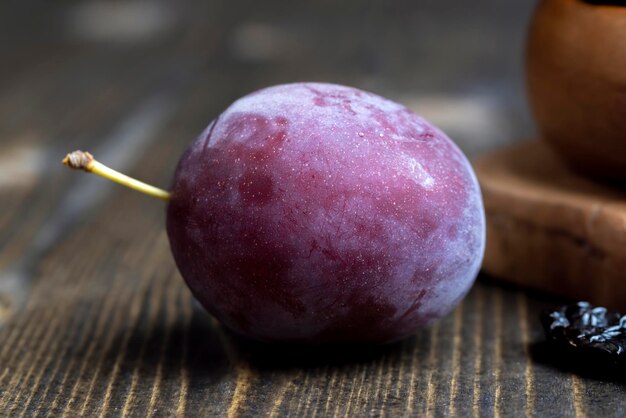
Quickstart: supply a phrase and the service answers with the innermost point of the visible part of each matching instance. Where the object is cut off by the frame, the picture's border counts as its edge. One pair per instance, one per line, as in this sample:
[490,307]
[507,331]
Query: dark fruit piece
[589,333]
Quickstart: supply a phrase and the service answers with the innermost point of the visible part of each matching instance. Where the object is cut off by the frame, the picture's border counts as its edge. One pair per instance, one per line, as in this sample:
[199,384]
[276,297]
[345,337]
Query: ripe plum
[320,213]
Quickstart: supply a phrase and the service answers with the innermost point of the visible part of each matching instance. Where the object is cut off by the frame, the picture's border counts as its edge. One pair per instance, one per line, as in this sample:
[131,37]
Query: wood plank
[118,334]
[551,228]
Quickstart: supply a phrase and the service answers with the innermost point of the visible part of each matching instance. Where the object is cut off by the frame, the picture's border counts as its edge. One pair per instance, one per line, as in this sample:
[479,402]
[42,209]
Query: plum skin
[319,213]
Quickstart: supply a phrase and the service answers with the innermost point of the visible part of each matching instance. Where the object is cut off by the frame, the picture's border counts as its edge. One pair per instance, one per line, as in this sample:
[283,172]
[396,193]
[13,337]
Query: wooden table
[94,318]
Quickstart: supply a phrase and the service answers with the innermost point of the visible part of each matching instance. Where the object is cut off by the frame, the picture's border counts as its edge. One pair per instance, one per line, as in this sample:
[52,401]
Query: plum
[320,213]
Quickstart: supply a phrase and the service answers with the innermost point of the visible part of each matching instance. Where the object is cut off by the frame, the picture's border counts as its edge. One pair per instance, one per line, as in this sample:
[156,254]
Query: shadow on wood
[567,362]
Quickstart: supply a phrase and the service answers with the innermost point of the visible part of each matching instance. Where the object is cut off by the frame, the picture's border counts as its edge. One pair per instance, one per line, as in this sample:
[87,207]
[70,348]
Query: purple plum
[320,213]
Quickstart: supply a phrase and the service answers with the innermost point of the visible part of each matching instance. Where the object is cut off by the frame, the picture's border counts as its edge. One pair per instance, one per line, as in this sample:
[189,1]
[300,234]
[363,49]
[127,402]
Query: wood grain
[552,229]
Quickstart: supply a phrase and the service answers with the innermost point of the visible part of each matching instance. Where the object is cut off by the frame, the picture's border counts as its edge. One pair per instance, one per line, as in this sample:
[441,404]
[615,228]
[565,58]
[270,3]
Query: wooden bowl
[576,73]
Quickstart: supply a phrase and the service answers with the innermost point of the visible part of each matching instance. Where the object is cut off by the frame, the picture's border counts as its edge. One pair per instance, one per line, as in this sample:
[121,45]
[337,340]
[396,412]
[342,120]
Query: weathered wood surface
[94,318]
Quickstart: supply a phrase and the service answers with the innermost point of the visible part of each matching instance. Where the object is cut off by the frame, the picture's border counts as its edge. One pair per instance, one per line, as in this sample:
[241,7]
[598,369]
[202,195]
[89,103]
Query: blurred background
[75,72]
[136,81]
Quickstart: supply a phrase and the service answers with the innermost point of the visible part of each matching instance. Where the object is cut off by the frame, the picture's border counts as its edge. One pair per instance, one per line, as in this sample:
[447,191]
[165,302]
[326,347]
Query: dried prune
[589,333]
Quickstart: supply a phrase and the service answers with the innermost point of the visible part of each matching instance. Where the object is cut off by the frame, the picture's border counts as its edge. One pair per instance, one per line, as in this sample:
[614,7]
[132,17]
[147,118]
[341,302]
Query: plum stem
[81,160]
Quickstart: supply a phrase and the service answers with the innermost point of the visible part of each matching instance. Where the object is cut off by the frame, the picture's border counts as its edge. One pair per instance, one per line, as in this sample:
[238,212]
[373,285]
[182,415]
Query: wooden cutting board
[550,228]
